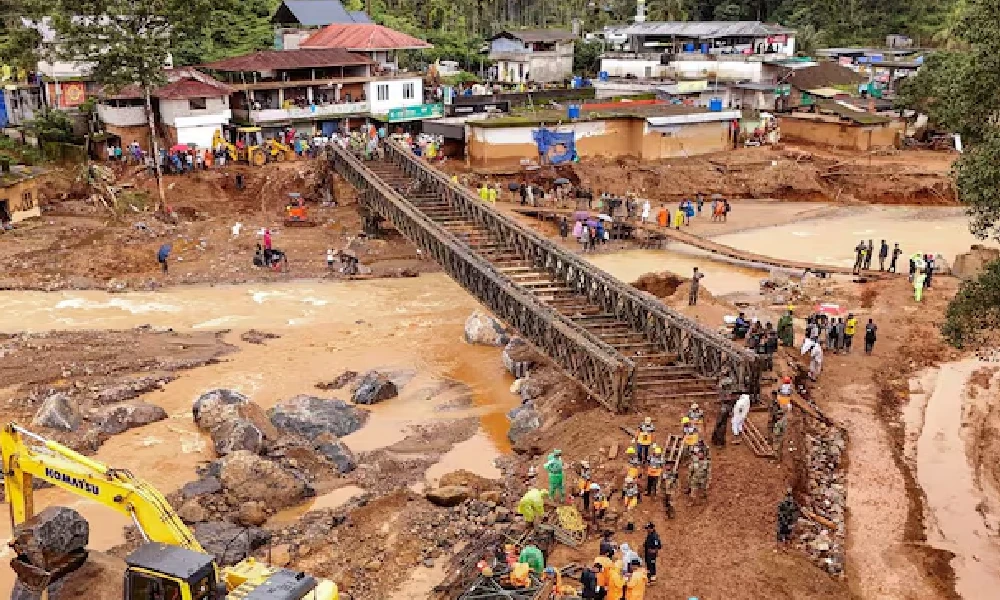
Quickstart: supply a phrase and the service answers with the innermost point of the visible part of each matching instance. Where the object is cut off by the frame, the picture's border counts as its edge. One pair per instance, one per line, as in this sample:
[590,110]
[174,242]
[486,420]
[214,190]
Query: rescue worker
[583,485]
[635,586]
[788,516]
[722,422]
[778,434]
[696,415]
[601,503]
[698,472]
[558,590]
[690,434]
[602,571]
[654,471]
[633,465]
[651,549]
[608,546]
[644,438]
[616,582]
[669,483]
[532,505]
[630,492]
[785,393]
[786,332]
[592,590]
[740,411]
[520,575]
[533,557]
[554,467]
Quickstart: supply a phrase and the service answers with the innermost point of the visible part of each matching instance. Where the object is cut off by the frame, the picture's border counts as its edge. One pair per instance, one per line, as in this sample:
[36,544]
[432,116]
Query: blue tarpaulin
[549,141]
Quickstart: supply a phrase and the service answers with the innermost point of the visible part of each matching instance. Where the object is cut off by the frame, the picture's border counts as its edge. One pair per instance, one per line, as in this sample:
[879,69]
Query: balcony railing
[122,116]
[524,55]
[268,115]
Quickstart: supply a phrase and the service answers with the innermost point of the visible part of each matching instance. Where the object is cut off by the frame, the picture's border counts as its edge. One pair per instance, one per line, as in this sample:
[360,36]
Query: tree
[973,316]
[586,57]
[128,43]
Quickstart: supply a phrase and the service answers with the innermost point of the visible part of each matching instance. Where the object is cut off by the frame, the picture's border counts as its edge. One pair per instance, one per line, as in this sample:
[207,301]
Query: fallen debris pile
[822,530]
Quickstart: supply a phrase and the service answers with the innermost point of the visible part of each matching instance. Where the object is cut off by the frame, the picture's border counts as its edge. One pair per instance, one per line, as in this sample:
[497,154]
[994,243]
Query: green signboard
[412,113]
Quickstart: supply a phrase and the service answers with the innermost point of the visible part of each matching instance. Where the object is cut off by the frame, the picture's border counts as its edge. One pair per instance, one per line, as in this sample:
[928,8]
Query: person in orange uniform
[785,393]
[690,433]
[662,217]
[616,582]
[633,463]
[635,587]
[600,503]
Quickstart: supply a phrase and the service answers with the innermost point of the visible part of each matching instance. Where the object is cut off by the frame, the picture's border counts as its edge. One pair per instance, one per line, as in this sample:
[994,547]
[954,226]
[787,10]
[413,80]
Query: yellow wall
[22,199]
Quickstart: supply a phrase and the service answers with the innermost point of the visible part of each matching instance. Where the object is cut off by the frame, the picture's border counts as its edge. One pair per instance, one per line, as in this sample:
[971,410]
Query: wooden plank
[613,452]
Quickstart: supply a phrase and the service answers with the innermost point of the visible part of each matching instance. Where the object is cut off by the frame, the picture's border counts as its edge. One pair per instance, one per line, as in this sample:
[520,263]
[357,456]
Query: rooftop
[844,113]
[305,58]
[316,13]
[821,75]
[19,173]
[536,35]
[705,30]
[364,38]
[597,111]
[182,83]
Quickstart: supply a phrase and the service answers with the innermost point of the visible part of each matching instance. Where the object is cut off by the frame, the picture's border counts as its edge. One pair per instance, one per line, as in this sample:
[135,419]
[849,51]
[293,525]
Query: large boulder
[518,357]
[210,410]
[523,421]
[112,420]
[248,477]
[58,411]
[99,578]
[374,387]
[971,264]
[449,495]
[50,535]
[482,329]
[228,542]
[336,452]
[239,434]
[310,417]
[208,484]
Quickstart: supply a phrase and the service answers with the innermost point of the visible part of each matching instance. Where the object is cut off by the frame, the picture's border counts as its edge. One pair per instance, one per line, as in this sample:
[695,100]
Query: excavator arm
[27,456]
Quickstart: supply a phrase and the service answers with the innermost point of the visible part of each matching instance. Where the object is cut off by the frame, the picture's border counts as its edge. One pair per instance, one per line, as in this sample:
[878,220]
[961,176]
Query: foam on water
[133,306]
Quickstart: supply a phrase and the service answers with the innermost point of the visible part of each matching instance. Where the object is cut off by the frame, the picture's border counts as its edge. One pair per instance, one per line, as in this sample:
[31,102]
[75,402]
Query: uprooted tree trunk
[161,201]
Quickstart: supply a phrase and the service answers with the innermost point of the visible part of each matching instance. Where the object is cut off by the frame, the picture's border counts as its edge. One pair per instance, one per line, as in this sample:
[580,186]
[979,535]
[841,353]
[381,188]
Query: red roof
[363,37]
[269,60]
[181,83]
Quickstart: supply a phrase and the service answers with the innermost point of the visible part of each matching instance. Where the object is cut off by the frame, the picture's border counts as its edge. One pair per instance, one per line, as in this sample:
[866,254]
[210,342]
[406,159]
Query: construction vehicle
[171,564]
[296,212]
[278,152]
[249,147]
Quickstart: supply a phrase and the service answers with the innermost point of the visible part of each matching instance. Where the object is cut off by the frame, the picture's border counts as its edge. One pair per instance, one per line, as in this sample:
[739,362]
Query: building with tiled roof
[379,43]
[187,109]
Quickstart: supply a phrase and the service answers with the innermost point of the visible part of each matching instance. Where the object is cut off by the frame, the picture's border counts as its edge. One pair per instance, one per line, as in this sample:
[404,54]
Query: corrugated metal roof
[270,60]
[536,35]
[703,29]
[363,37]
[314,13]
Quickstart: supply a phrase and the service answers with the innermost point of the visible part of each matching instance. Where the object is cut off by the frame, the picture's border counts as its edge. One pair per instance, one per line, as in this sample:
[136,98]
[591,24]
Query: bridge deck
[625,348]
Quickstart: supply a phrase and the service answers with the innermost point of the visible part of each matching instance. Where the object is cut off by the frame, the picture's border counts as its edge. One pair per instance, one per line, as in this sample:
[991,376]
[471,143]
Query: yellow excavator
[251,147]
[171,564]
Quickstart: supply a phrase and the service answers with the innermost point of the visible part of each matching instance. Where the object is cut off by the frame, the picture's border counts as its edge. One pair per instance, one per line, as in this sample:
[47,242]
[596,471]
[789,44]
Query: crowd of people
[864,253]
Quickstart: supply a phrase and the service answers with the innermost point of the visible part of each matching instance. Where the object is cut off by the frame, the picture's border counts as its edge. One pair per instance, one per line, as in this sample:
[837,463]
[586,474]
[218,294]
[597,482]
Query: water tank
[715,105]
[704,48]
[603,75]
[689,47]
[573,111]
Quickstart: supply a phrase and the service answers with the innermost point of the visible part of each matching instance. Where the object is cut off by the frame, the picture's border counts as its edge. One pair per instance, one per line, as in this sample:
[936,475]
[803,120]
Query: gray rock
[526,421]
[374,387]
[482,329]
[51,534]
[531,389]
[206,485]
[337,452]
[449,495]
[310,417]
[208,408]
[240,434]
[228,542]
[113,420]
[58,411]
[341,380]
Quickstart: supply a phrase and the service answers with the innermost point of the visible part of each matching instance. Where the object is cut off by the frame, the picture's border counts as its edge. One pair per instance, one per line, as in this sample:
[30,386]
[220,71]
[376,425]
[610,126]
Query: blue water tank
[573,111]
[603,75]
[704,48]
[715,105]
[689,47]
[577,82]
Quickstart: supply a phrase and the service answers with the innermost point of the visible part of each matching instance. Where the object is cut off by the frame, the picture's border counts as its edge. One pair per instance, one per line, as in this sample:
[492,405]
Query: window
[382,91]
[152,588]
[408,91]
[198,103]
[26,203]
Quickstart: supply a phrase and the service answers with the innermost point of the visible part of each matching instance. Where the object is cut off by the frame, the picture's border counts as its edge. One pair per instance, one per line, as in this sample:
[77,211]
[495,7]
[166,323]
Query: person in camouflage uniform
[788,516]
[778,433]
[699,471]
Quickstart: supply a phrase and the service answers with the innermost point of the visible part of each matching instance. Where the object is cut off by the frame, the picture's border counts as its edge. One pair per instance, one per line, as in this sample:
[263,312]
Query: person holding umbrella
[162,255]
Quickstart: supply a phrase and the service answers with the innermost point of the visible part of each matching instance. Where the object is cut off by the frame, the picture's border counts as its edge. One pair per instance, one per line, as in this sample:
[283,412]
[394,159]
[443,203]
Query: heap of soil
[661,285]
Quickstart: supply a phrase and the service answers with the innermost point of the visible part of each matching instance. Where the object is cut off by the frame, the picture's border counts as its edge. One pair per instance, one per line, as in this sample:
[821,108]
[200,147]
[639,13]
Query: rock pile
[823,539]
[58,411]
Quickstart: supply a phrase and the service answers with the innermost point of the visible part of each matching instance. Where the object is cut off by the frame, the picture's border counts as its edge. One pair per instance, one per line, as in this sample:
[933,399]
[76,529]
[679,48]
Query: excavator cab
[162,572]
[250,146]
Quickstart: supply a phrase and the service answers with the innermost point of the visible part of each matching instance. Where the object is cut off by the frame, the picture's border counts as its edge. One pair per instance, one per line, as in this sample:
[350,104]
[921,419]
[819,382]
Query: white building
[533,55]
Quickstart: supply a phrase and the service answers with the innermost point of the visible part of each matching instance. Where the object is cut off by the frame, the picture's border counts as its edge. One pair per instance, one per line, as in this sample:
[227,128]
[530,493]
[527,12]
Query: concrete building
[643,131]
[829,123]
[533,55]
[19,193]
[188,109]
[313,89]
[296,20]
[723,50]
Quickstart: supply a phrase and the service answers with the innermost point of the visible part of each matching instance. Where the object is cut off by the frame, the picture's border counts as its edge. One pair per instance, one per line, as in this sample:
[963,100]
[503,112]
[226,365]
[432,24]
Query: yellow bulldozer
[171,564]
[251,148]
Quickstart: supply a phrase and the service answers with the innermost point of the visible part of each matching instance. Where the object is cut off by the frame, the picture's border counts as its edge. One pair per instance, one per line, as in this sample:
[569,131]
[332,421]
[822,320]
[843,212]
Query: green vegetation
[959,89]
